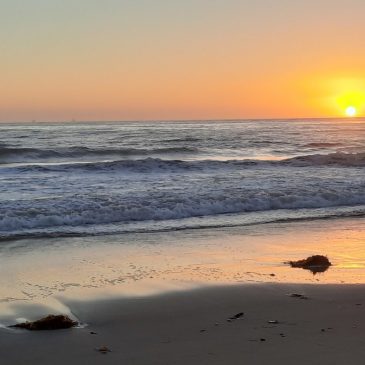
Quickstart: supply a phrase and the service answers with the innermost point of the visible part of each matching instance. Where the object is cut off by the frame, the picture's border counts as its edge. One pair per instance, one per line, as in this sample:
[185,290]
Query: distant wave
[183,139]
[21,154]
[151,165]
[336,158]
[323,144]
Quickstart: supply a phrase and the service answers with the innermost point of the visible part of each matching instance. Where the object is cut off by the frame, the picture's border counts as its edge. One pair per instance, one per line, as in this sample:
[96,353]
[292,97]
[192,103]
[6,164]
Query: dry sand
[191,327]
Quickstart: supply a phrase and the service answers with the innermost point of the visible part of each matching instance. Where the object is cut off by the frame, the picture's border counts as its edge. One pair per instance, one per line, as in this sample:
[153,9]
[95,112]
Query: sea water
[78,179]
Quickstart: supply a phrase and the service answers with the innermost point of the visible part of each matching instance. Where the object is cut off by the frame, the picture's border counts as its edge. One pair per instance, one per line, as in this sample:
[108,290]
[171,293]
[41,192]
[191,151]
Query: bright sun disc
[350,111]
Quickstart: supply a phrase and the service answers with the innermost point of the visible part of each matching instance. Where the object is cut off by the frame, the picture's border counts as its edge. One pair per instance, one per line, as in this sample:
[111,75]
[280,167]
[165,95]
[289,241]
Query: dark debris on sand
[236,316]
[103,350]
[315,263]
[51,322]
[299,296]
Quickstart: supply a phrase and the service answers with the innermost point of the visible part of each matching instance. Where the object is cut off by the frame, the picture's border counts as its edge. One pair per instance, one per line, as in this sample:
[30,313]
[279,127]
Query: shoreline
[192,327]
[37,273]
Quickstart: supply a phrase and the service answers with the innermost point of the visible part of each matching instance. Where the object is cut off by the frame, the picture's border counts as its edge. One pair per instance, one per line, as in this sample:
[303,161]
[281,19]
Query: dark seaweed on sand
[51,322]
[315,263]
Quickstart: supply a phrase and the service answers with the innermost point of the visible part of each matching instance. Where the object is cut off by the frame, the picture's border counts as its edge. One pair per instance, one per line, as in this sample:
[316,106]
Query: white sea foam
[80,210]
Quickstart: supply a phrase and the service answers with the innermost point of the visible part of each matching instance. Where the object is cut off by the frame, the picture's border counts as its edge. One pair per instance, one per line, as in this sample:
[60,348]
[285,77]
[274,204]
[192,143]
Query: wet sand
[165,298]
[192,327]
[40,271]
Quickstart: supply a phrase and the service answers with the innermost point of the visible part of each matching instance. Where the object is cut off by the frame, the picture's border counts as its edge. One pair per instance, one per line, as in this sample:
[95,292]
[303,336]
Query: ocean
[81,179]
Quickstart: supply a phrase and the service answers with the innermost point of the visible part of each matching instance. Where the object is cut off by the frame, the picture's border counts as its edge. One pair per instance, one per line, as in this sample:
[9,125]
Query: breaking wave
[218,221]
[87,209]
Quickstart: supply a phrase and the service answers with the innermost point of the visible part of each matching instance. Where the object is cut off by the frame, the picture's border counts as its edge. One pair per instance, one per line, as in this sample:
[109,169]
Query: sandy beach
[173,305]
[193,327]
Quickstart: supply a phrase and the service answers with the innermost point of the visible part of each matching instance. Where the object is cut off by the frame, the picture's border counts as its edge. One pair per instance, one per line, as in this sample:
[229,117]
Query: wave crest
[336,158]
[21,154]
[152,165]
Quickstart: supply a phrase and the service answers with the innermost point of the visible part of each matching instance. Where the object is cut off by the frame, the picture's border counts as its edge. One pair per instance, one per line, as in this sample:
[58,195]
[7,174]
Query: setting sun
[345,95]
[350,111]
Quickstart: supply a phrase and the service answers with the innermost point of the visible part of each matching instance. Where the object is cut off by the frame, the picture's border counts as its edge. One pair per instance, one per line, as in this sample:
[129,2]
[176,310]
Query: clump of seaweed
[315,263]
[51,322]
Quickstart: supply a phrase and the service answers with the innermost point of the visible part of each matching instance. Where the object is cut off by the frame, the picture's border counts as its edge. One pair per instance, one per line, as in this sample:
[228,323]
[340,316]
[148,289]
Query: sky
[192,59]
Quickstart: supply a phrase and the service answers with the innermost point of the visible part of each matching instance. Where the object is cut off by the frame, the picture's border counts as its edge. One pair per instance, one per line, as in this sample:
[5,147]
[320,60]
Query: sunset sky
[191,59]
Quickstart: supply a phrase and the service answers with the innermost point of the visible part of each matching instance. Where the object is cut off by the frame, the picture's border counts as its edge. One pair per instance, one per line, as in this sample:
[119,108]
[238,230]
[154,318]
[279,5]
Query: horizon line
[179,120]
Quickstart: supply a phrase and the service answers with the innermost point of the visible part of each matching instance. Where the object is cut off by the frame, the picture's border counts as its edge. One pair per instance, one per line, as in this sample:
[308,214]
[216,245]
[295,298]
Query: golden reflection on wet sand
[36,272]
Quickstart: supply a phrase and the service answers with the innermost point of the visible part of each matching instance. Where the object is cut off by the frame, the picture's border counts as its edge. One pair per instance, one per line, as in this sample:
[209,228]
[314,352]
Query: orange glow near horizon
[199,97]
[334,96]
[350,96]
